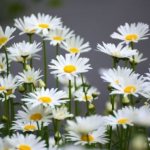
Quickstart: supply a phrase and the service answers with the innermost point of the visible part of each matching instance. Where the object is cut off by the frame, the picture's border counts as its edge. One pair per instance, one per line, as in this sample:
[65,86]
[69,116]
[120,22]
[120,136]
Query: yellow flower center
[130,89]
[45,99]
[30,31]
[69,68]
[74,50]
[87,138]
[123,121]
[29,127]
[43,25]
[2,88]
[58,38]
[30,78]
[36,117]
[24,147]
[131,37]
[87,97]
[3,40]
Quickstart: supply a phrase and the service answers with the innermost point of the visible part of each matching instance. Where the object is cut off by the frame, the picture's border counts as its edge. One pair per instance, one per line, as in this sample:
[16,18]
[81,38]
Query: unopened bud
[41,83]
[21,89]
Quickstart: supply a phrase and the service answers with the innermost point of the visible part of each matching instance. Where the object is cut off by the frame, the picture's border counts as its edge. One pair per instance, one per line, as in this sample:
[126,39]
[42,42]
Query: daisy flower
[75,45]
[3,65]
[24,50]
[117,51]
[132,32]
[36,114]
[57,36]
[24,25]
[132,84]
[6,35]
[29,76]
[121,117]
[61,113]
[42,23]
[27,142]
[137,58]
[70,65]
[46,97]
[4,145]
[91,94]
[25,126]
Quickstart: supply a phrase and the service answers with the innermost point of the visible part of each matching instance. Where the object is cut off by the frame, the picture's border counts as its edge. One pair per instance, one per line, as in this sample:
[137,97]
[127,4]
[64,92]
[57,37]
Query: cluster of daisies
[37,117]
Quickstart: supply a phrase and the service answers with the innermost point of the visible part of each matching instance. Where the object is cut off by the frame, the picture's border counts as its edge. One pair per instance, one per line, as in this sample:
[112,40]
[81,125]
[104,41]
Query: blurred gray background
[94,20]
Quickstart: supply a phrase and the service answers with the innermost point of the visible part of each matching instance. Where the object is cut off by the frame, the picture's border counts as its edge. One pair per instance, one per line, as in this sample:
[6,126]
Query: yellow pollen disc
[36,117]
[43,25]
[123,121]
[24,147]
[58,38]
[87,97]
[30,79]
[3,40]
[74,50]
[45,99]
[130,89]
[87,138]
[2,88]
[131,37]
[69,68]
[29,127]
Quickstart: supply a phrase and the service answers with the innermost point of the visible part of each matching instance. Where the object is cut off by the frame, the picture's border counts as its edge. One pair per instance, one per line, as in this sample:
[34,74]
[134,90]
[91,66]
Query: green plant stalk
[70,95]
[30,40]
[7,60]
[7,113]
[57,53]
[56,130]
[76,102]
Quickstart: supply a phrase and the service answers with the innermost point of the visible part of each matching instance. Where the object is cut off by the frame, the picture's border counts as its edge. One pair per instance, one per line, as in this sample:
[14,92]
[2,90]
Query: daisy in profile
[57,36]
[29,76]
[76,45]
[24,50]
[121,117]
[117,51]
[137,58]
[37,114]
[24,25]
[6,35]
[92,93]
[82,131]
[42,23]
[46,97]
[131,85]
[3,65]
[132,32]
[61,113]
[69,66]
[27,142]
[25,126]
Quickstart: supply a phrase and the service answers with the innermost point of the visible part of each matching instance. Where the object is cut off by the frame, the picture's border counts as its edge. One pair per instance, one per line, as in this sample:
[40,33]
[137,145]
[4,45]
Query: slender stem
[12,109]
[7,113]
[30,40]
[56,130]
[57,53]
[133,65]
[45,62]
[76,102]
[70,95]
[7,60]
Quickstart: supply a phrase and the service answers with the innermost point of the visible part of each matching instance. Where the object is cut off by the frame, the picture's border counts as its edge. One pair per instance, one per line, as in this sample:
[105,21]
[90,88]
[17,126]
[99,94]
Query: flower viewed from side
[6,35]
[75,45]
[132,32]
[118,51]
[46,97]
[27,142]
[57,36]
[70,65]
[24,50]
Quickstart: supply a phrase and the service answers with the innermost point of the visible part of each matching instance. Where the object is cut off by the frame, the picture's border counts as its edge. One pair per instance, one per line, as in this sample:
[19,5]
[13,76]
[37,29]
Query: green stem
[7,60]
[70,95]
[30,40]
[7,113]
[57,53]
[76,102]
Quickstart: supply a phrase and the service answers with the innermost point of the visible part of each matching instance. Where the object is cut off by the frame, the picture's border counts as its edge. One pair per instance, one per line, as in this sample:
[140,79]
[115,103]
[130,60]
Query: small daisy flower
[24,50]
[3,65]
[24,25]
[29,76]
[137,58]
[132,32]
[6,35]
[27,142]
[61,113]
[42,23]
[92,93]
[75,45]
[46,97]
[117,51]
[25,126]
[57,36]
[70,65]
[121,117]
[37,114]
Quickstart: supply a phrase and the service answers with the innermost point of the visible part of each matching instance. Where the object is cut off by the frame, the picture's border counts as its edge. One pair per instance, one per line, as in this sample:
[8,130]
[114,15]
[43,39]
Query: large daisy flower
[117,51]
[132,32]
[75,45]
[70,65]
